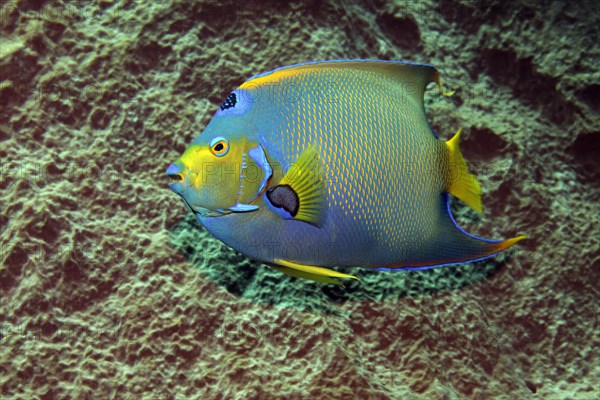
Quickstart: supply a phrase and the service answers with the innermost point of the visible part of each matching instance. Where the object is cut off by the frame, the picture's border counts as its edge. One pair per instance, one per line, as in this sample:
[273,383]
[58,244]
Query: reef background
[109,289]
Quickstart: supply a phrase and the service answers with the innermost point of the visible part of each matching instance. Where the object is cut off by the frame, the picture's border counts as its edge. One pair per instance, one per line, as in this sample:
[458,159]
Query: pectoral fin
[317,274]
[301,192]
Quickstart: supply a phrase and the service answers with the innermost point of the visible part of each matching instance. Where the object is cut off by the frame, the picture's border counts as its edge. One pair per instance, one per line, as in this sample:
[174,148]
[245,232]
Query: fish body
[332,164]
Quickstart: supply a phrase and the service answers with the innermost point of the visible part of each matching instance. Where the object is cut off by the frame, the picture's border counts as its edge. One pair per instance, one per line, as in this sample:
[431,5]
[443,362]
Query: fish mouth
[180,185]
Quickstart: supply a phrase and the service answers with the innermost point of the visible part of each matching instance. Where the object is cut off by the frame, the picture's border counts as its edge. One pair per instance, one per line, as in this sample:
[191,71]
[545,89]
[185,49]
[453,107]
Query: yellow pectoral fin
[317,274]
[301,191]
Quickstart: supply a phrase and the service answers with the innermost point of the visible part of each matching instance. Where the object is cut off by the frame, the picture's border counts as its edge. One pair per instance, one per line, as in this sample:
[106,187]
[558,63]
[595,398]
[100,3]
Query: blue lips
[174,172]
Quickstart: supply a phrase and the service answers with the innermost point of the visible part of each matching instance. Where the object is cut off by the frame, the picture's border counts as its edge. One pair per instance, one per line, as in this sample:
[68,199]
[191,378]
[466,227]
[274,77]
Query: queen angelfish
[332,163]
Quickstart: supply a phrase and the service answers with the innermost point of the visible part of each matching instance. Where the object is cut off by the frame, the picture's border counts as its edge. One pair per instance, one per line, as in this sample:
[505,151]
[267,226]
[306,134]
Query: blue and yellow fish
[332,163]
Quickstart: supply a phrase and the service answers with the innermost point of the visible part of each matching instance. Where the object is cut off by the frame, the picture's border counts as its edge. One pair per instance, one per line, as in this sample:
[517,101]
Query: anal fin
[505,244]
[453,245]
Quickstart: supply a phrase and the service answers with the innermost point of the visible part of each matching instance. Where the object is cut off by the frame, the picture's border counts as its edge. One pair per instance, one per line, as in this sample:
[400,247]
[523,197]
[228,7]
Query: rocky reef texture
[108,289]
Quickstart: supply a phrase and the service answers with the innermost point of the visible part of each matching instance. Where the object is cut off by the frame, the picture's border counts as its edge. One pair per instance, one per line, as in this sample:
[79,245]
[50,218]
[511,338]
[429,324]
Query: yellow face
[213,178]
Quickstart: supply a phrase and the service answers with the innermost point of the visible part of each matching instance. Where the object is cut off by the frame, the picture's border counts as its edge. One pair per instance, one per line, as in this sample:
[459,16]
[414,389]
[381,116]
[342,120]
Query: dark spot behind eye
[283,196]
[229,102]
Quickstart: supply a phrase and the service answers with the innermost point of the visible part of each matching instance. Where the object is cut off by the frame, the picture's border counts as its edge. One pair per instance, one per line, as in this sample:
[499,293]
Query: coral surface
[110,289]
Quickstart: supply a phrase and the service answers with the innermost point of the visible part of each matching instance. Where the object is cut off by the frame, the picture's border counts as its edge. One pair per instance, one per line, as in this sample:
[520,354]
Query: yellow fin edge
[304,177]
[505,244]
[310,272]
[438,81]
[461,183]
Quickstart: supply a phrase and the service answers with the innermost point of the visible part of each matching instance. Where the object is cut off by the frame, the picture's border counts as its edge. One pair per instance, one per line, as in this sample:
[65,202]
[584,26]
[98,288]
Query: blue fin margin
[461,230]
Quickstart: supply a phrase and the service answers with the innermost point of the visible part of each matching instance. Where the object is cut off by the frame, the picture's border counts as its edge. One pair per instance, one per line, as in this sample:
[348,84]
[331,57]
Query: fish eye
[219,146]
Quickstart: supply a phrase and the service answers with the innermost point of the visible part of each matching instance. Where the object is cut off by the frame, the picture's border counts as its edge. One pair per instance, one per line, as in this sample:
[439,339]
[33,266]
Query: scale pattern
[384,168]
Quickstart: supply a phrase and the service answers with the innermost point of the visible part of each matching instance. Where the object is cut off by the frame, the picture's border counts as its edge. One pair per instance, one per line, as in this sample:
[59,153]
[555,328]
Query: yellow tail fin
[461,183]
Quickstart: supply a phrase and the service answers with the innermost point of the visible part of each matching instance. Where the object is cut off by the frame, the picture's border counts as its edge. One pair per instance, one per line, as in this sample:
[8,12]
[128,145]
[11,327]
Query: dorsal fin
[414,76]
